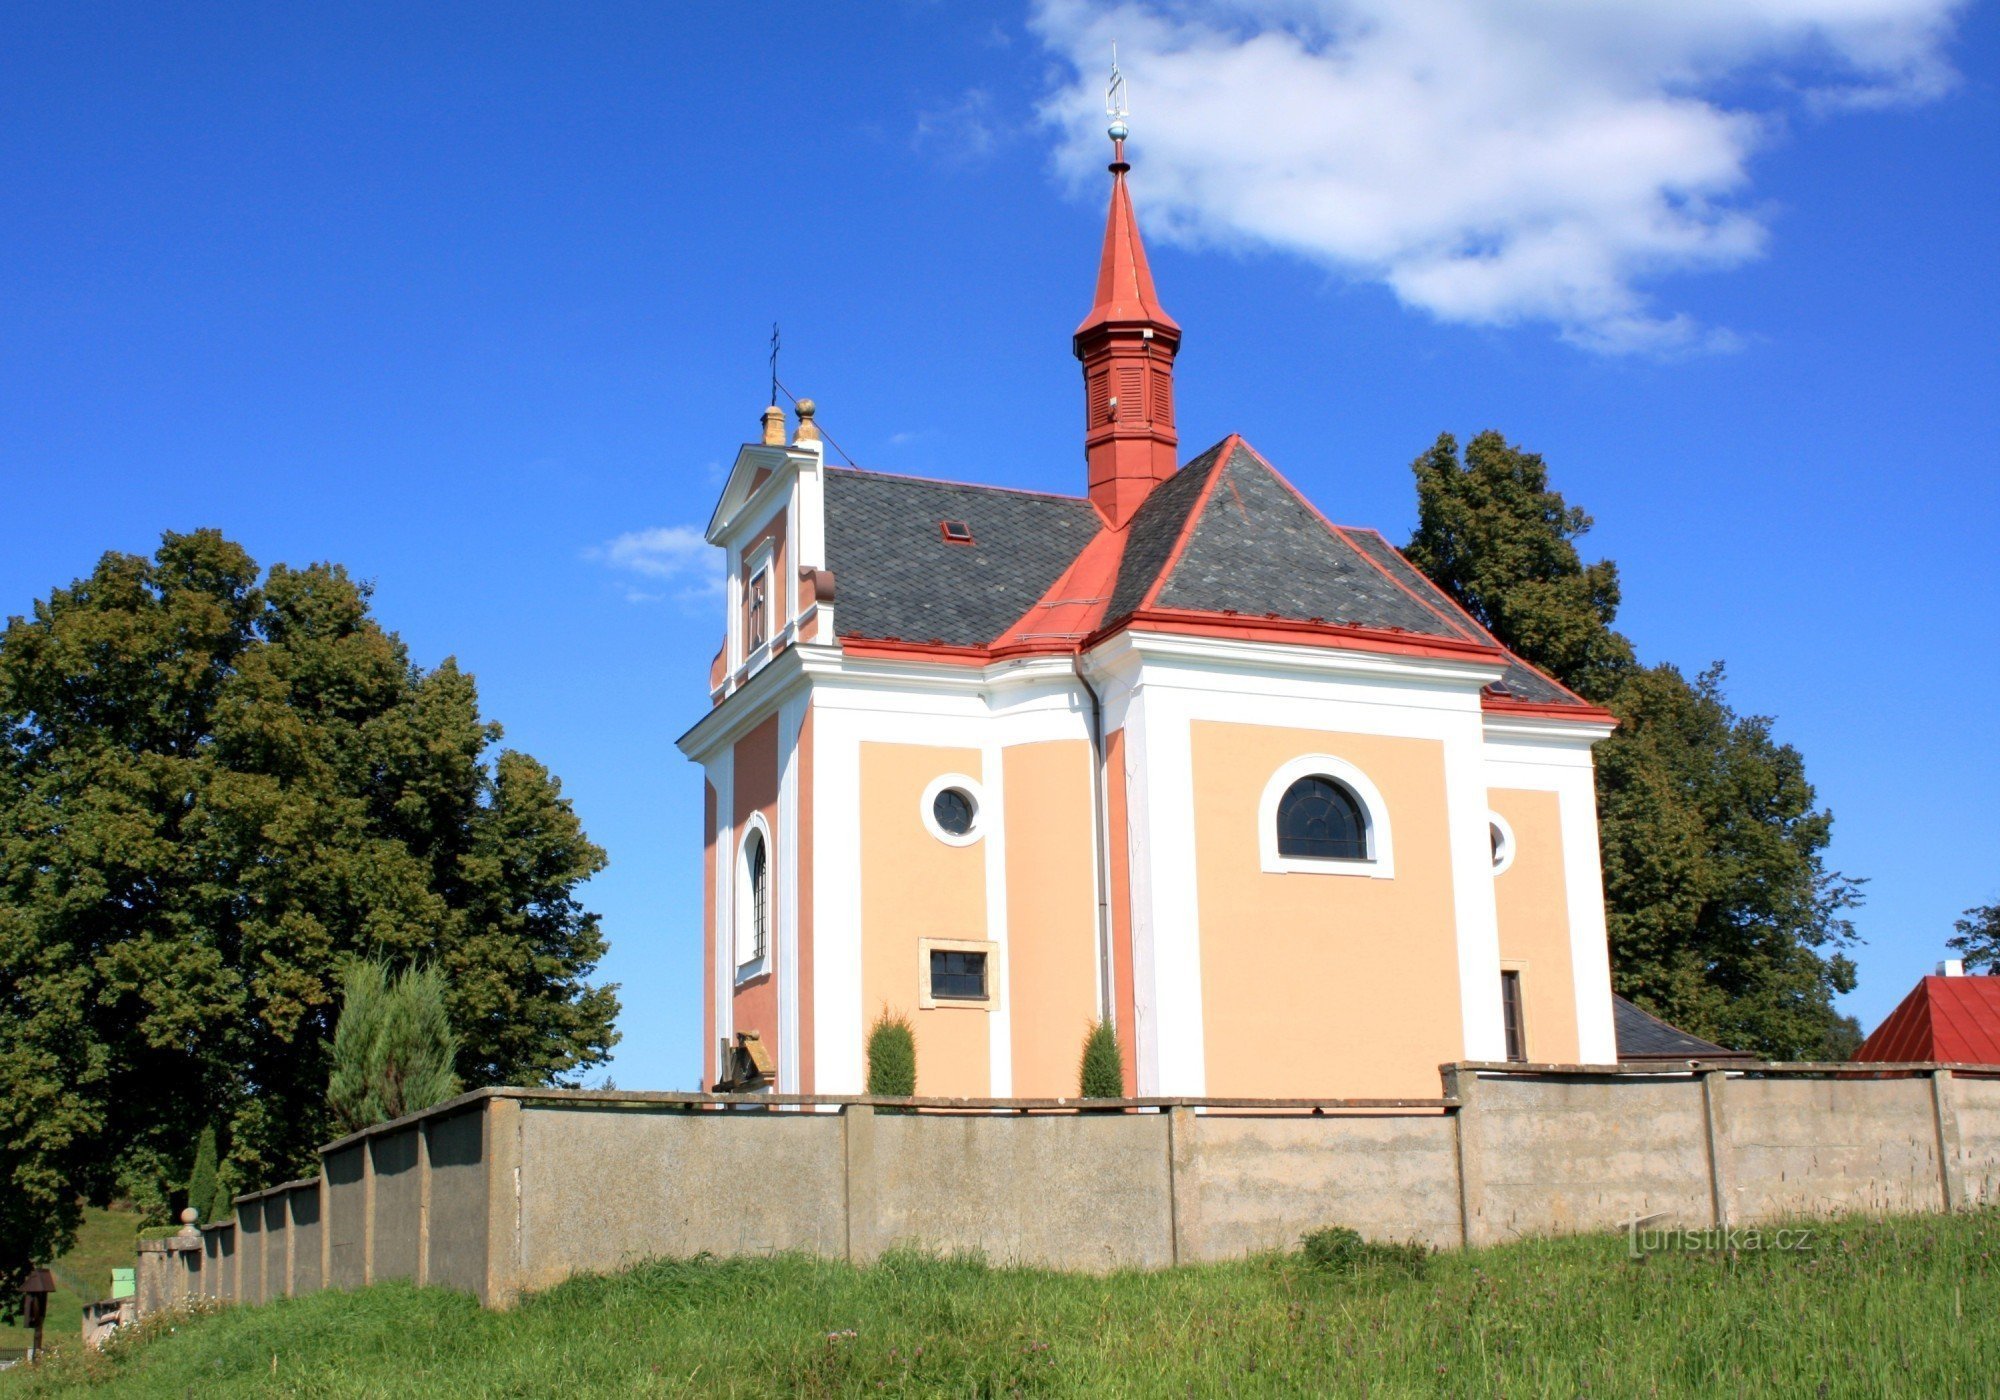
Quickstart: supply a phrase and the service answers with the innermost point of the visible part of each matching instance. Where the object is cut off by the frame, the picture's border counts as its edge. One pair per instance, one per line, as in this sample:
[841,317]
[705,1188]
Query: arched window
[1319,819]
[753,901]
[1321,815]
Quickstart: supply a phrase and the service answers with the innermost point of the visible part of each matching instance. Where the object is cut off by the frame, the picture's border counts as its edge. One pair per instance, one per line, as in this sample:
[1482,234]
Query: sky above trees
[475,300]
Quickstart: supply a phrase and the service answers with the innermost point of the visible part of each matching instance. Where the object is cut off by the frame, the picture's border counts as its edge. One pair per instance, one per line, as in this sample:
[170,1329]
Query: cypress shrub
[1102,1072]
[393,1047]
[202,1184]
[892,1056]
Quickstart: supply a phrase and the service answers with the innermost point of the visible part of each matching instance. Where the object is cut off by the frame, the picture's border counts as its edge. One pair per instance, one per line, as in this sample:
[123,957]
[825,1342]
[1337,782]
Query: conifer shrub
[1102,1070]
[892,1056]
[203,1185]
[393,1047]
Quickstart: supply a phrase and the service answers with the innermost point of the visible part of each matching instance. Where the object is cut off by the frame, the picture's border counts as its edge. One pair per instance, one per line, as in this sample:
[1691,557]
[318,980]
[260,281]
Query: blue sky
[462,296]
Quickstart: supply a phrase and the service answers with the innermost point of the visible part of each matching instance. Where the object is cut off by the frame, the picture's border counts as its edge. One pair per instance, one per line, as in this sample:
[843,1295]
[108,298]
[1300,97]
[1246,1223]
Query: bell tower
[1127,345]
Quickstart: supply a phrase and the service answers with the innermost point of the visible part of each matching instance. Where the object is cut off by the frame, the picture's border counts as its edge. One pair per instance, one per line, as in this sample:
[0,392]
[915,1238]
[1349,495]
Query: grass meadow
[1906,1306]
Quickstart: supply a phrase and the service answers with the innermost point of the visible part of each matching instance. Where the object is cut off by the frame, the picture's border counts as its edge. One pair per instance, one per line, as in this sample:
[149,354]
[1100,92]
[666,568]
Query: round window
[1501,836]
[952,810]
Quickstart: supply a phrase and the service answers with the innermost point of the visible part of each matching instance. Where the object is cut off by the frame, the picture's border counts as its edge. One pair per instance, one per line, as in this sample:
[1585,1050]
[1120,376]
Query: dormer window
[956,531]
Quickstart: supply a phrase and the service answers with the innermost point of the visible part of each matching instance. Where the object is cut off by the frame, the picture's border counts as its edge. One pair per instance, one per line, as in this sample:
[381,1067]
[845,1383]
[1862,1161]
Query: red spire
[1127,344]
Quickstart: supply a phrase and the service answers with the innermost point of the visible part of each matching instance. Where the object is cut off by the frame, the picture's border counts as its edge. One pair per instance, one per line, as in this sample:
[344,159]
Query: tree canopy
[1723,915]
[1978,940]
[215,790]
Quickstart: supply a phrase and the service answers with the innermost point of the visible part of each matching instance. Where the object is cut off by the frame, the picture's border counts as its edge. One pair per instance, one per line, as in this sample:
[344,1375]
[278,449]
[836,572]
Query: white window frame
[759,561]
[1380,862]
[750,962]
[1503,862]
[971,789]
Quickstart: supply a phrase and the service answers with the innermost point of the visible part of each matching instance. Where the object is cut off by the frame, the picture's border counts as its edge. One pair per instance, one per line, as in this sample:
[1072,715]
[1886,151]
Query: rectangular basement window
[958,972]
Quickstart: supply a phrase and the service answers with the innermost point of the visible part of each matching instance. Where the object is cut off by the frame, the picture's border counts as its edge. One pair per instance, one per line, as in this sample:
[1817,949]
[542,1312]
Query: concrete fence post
[1944,1113]
[500,1141]
[423,1204]
[1182,1225]
[857,1131]
[1715,1138]
[325,1228]
[1463,1084]
[367,1211]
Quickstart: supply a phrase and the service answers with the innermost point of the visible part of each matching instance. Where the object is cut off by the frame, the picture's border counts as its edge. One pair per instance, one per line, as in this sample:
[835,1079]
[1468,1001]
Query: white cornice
[751,703]
[738,501]
[1117,654]
[1577,733]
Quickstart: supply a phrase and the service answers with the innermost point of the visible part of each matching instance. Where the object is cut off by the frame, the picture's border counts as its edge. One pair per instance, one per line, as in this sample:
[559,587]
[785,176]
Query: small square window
[959,972]
[956,531]
[958,976]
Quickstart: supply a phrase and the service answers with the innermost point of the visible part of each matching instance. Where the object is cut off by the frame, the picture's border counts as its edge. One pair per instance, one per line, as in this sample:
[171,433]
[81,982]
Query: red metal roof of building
[1955,1020]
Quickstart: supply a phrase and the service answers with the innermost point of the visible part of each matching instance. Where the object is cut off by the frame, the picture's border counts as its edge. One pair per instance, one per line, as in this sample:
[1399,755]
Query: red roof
[1954,1020]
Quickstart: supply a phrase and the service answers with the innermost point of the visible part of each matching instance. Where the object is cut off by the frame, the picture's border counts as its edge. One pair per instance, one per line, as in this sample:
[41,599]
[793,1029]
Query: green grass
[107,1239]
[1898,1307]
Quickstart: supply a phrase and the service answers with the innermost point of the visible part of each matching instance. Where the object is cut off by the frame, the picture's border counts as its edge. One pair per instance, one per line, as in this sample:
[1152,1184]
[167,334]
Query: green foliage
[892,1056]
[393,1047]
[1494,536]
[214,790]
[1978,940]
[1723,916]
[202,1184]
[1102,1070]
[1335,1249]
[1524,1319]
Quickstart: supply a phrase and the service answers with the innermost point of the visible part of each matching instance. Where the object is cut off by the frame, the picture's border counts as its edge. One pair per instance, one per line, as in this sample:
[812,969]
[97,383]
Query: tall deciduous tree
[1978,940]
[215,790]
[1724,917]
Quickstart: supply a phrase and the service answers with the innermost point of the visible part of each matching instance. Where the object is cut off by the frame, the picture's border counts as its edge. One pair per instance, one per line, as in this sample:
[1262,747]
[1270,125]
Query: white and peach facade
[1083,815]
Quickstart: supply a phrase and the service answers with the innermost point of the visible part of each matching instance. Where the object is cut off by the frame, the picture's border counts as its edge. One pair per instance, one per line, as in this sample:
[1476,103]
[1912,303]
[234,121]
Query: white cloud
[675,554]
[1491,161]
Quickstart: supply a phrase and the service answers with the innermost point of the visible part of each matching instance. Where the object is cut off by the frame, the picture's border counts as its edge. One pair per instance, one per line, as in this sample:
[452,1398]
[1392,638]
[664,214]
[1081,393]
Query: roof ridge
[963,485]
[1215,469]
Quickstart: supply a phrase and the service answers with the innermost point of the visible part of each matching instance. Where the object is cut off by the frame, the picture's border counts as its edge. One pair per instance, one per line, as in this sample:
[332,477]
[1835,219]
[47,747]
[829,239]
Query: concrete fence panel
[303,1207]
[1069,1191]
[250,1252]
[346,1205]
[1973,1115]
[455,1252]
[277,1247]
[602,1186]
[1802,1146]
[1556,1154]
[1251,1182]
[395,1217]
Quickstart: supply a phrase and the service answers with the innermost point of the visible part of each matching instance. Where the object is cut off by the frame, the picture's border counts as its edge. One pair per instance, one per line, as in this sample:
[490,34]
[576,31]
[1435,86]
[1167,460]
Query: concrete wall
[1245,1182]
[507,1190]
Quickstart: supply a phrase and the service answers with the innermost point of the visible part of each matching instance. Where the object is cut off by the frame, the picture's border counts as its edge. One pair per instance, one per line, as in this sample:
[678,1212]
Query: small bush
[1102,1071]
[1336,1249]
[892,1056]
[202,1181]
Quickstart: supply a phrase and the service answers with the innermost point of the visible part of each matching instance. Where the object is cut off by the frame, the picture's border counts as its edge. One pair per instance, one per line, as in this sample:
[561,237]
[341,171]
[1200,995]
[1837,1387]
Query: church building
[1177,752]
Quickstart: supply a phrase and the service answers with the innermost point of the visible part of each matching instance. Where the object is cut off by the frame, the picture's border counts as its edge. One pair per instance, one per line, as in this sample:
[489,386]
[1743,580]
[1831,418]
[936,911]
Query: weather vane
[1114,97]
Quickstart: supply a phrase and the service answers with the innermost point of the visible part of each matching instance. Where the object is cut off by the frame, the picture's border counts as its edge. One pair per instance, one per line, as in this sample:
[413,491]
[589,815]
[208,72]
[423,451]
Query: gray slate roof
[1255,549]
[1644,1036]
[896,576]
